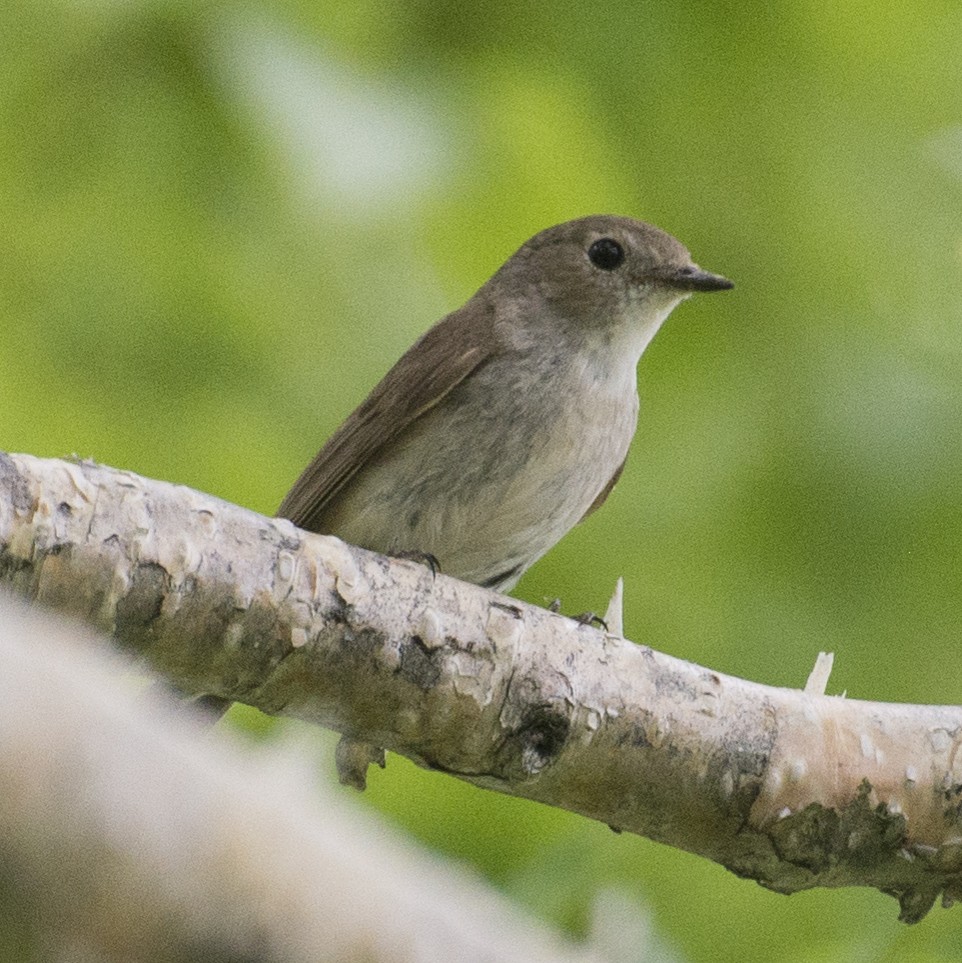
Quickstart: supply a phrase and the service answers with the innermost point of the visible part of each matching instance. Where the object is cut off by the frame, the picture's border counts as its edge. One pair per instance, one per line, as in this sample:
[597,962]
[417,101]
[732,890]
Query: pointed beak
[693,278]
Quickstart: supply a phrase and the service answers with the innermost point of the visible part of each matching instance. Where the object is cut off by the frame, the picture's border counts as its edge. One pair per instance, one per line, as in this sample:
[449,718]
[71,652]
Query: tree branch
[790,788]
[126,834]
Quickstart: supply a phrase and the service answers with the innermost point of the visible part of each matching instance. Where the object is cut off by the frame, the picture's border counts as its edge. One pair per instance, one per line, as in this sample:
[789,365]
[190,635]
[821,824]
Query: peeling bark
[791,788]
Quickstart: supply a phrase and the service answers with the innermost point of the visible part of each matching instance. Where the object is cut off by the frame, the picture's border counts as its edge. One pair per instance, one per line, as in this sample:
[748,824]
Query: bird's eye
[606,254]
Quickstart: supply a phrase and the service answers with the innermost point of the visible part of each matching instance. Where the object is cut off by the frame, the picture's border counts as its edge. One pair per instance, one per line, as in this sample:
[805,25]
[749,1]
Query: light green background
[221,223]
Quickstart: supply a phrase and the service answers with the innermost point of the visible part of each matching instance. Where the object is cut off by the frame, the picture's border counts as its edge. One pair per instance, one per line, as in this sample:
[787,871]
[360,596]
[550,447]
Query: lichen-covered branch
[787,787]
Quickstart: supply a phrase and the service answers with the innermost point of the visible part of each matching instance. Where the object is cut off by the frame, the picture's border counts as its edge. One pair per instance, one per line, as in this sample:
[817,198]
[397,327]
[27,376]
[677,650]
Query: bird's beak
[693,278]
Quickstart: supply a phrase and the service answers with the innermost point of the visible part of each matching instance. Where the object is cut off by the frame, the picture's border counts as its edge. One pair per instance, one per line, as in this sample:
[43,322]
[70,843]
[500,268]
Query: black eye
[606,254]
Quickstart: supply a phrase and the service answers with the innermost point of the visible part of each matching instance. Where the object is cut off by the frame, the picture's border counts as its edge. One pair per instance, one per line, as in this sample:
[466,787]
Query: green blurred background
[222,222]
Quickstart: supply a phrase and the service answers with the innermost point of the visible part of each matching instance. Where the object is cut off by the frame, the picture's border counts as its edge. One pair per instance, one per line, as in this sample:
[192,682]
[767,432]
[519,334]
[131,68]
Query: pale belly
[489,487]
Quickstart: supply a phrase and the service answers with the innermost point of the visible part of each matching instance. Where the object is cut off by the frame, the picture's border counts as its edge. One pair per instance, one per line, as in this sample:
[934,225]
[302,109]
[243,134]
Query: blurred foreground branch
[129,834]
[790,788]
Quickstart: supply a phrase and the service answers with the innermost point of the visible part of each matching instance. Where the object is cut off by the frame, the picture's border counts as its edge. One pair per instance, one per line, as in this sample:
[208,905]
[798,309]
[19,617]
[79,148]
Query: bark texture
[790,788]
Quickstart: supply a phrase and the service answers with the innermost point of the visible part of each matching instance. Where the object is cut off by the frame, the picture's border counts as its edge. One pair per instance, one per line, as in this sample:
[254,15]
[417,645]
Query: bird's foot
[585,618]
[422,558]
[590,618]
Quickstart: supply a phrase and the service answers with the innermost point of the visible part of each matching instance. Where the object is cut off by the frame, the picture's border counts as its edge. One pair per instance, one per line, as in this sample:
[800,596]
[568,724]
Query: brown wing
[605,492]
[435,364]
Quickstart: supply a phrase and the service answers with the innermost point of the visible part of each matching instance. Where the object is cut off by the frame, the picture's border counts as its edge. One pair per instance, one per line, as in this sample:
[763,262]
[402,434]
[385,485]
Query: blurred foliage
[222,222]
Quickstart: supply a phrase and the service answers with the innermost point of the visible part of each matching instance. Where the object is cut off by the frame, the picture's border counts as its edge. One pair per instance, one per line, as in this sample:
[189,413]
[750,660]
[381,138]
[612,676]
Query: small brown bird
[509,421]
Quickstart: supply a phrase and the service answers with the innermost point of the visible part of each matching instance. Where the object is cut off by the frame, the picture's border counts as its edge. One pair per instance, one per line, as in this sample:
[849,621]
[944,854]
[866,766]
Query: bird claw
[585,618]
[590,618]
[422,558]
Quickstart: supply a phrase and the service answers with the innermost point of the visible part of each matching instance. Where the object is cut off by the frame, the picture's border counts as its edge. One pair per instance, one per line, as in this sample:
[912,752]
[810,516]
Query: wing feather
[425,374]
[602,496]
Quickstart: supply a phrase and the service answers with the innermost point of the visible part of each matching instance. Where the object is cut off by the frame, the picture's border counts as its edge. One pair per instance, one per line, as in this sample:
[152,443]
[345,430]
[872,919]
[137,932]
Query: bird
[509,421]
